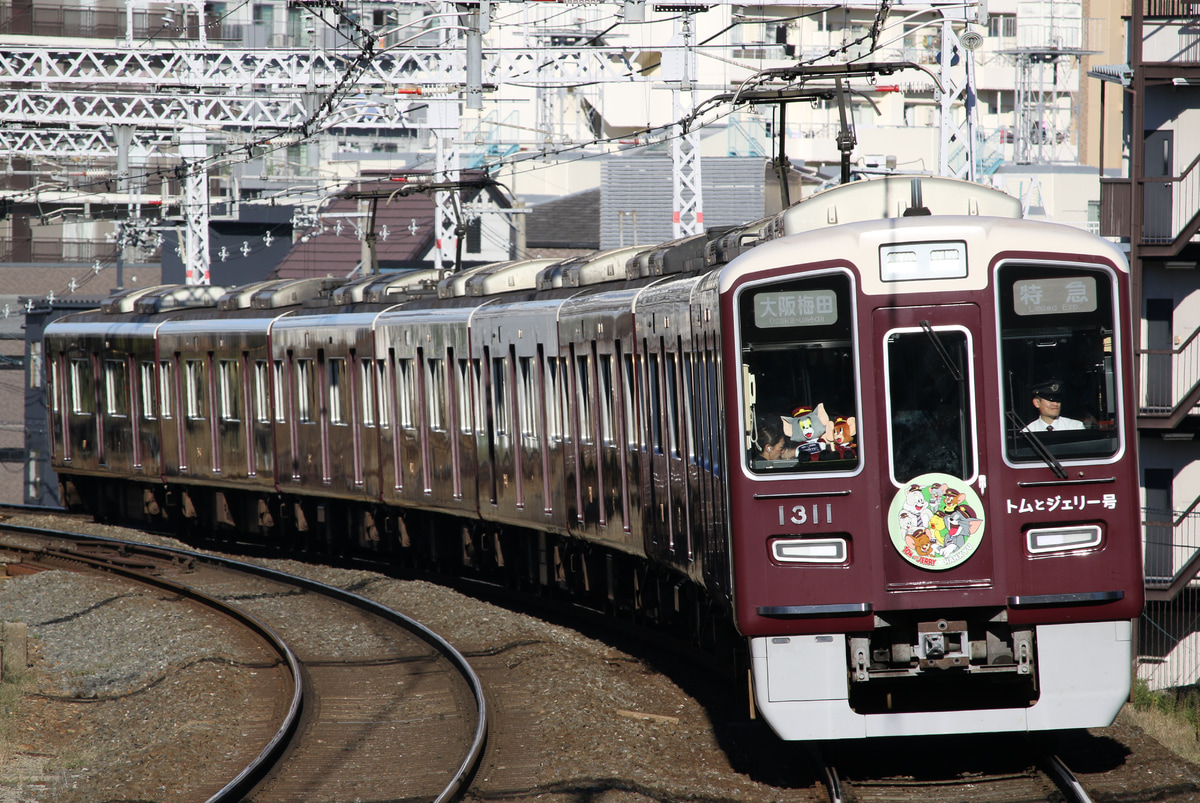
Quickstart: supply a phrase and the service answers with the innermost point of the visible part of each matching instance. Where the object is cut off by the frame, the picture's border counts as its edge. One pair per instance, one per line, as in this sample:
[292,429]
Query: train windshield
[798,389]
[929,403]
[1058,367]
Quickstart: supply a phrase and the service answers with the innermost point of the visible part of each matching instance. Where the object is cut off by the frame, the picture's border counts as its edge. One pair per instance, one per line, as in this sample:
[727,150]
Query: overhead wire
[654,135]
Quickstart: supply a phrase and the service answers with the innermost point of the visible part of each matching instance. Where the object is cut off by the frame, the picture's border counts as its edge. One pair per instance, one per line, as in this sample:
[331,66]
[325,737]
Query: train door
[936,436]
[678,447]
[196,452]
[615,510]
[658,524]
[230,424]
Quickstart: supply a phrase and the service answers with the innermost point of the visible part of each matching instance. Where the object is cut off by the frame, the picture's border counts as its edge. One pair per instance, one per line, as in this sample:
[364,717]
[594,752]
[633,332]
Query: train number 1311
[800,514]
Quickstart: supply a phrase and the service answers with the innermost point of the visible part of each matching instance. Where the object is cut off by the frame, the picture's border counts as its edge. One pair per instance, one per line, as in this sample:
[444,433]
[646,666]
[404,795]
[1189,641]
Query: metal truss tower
[687,198]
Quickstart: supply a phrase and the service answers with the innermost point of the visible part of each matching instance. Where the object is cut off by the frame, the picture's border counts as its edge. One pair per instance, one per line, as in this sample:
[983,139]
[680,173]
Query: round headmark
[936,521]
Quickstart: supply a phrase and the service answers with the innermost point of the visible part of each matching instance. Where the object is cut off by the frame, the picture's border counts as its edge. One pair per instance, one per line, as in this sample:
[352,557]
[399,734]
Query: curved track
[382,707]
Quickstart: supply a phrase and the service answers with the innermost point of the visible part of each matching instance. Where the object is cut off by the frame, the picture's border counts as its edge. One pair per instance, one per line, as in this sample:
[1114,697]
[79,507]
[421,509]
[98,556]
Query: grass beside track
[1171,716]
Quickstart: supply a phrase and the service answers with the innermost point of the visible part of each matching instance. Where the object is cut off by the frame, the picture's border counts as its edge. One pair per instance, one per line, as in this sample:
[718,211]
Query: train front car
[934,523]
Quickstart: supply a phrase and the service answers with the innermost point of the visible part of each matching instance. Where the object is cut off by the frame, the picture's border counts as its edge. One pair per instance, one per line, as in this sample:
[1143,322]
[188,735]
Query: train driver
[1047,399]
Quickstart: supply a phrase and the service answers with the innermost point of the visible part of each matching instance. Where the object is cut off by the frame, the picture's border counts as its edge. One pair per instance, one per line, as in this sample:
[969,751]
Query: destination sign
[1054,296]
[795,308]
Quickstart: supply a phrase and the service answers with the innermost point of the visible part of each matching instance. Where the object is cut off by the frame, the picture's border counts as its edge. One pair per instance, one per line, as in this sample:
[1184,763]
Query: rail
[237,788]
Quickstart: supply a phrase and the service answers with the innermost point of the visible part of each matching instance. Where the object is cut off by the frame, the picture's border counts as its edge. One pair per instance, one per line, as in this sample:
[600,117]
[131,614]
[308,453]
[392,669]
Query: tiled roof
[572,221]
[336,249]
[41,280]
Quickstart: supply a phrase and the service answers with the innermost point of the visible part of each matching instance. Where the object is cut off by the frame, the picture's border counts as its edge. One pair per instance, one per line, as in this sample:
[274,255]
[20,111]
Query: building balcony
[1171,33]
[1170,210]
[1169,386]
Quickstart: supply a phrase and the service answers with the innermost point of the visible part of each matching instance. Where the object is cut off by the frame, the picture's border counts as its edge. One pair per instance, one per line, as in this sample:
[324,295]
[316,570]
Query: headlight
[815,550]
[1061,539]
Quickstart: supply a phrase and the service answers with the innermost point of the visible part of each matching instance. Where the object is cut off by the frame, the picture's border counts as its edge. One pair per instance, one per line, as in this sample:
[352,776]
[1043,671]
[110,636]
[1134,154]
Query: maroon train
[813,431]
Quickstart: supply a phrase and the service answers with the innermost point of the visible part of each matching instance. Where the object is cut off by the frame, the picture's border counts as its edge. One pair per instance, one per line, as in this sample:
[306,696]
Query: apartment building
[1154,207]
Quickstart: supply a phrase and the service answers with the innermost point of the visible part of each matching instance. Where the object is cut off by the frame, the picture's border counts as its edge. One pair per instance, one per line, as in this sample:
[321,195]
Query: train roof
[866,244]
[893,197]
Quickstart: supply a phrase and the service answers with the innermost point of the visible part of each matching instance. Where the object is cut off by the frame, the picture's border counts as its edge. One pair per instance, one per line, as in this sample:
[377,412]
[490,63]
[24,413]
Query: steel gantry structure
[198,106]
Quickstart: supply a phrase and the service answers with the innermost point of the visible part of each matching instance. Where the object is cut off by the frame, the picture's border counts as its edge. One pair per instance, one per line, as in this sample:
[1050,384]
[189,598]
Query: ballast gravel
[125,698]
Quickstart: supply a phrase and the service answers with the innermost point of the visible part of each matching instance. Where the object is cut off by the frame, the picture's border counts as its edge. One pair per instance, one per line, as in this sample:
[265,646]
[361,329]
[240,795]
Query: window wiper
[1038,447]
[951,365]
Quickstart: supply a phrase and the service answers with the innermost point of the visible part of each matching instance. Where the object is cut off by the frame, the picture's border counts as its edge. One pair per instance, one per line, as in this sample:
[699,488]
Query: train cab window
[1058,363]
[116,388]
[798,389]
[930,415]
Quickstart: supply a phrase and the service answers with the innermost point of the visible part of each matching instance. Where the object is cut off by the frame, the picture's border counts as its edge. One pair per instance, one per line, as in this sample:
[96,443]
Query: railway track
[374,705]
[527,743]
[985,770]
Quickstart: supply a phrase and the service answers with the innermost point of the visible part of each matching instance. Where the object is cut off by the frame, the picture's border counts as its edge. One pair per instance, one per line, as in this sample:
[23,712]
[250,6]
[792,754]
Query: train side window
[405,392]
[337,391]
[564,394]
[553,411]
[54,386]
[500,394]
[583,386]
[262,392]
[654,401]
[367,370]
[1058,343]
[227,371]
[463,397]
[149,408]
[194,383]
[672,365]
[304,380]
[628,400]
[607,427]
[166,383]
[436,384]
[279,401]
[385,399]
[798,383]
[527,403]
[116,388]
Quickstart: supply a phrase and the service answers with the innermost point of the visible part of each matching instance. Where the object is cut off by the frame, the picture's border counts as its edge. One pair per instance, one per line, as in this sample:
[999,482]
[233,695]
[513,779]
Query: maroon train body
[815,431]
